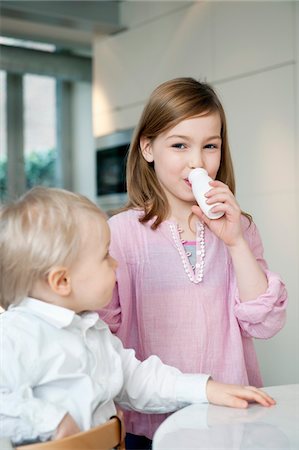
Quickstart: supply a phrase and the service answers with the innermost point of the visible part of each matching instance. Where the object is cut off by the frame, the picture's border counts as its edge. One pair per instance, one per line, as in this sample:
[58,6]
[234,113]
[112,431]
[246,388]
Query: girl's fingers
[215,191]
[217,183]
[222,198]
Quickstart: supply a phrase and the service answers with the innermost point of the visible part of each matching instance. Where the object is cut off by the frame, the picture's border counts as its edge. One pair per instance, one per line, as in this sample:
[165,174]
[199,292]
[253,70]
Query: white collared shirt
[54,362]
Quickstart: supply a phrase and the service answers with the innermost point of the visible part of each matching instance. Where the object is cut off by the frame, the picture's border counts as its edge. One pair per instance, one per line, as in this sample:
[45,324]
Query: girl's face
[194,142]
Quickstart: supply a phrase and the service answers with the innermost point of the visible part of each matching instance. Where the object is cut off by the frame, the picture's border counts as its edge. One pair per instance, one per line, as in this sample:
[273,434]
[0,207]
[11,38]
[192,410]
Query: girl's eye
[211,146]
[180,146]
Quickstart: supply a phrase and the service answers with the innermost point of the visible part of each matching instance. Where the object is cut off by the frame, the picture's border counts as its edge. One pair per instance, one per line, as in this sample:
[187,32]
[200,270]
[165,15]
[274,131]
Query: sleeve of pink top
[265,315]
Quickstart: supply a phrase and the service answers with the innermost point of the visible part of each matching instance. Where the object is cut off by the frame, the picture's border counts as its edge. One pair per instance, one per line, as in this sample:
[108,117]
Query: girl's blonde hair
[38,232]
[169,104]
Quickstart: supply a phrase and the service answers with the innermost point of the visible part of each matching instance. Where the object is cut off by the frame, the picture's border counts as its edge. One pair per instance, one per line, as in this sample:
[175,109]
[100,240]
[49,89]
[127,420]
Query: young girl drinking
[191,290]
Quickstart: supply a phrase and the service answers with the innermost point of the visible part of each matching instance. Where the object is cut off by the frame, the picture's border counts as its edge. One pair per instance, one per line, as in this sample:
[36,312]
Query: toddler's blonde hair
[38,232]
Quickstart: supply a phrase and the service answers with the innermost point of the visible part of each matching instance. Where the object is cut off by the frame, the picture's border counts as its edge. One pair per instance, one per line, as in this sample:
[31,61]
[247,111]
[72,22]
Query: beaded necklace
[194,273]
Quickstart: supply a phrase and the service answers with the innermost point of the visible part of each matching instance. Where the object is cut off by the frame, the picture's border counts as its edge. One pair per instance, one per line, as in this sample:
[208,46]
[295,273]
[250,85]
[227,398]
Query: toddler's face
[93,274]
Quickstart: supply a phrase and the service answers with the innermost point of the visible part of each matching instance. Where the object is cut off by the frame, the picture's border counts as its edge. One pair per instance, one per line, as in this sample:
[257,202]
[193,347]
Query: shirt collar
[55,315]
[61,317]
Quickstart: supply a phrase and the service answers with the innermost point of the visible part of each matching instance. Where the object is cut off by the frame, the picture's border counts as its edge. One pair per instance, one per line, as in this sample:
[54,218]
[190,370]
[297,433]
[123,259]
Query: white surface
[251,36]
[260,114]
[128,66]
[204,426]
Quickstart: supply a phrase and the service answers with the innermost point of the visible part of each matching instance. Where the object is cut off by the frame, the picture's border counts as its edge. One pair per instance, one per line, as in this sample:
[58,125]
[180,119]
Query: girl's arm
[263,316]
[260,295]
[251,279]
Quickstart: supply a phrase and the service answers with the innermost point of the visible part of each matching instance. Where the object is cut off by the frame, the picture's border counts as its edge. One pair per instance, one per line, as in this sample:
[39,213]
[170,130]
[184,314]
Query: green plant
[39,169]
[3,178]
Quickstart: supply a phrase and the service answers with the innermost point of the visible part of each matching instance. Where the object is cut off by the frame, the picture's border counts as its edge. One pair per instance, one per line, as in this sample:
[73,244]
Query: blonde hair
[169,104]
[37,232]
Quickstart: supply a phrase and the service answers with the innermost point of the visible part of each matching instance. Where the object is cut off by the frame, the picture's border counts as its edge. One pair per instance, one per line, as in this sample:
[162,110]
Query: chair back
[108,436]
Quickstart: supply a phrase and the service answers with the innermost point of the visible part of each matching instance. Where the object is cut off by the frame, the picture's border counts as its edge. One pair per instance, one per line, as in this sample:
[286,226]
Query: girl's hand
[228,227]
[67,427]
[236,396]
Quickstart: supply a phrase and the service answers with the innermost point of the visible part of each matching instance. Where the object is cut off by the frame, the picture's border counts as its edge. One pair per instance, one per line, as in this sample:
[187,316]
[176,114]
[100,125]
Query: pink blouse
[197,327]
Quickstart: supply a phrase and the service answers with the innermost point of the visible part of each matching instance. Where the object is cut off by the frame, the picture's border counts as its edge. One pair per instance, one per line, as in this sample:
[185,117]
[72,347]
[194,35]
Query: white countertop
[204,426]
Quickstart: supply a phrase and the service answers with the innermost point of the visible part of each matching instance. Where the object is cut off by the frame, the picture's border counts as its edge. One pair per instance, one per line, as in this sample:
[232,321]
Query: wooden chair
[108,436]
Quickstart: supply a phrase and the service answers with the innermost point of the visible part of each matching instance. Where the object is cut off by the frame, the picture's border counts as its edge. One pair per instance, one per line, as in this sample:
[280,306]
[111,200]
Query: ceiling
[69,25]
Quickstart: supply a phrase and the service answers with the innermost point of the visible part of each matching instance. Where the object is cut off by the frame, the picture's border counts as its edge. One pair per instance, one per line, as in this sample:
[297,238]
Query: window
[39,130]
[36,147]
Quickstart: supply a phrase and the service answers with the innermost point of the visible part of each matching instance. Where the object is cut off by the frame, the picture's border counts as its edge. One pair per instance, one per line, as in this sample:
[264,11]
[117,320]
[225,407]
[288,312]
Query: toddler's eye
[180,146]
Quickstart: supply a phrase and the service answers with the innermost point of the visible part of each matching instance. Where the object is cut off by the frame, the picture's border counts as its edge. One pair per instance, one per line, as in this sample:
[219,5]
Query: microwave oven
[111,155]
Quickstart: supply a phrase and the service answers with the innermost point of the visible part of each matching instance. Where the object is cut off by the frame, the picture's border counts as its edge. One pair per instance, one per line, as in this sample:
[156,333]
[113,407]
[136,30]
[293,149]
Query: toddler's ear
[59,281]
[146,149]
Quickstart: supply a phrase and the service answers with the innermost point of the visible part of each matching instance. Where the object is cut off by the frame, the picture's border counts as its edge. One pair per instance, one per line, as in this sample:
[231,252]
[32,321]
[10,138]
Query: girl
[191,290]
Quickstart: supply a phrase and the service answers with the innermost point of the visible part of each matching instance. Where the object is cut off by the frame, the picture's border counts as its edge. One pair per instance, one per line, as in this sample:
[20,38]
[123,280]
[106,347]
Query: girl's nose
[195,160]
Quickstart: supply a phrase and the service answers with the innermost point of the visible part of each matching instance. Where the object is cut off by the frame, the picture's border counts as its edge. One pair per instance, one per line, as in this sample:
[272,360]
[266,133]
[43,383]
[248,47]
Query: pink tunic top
[196,327]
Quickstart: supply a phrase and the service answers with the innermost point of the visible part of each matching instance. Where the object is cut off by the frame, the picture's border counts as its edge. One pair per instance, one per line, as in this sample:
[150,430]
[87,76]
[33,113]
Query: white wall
[249,52]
